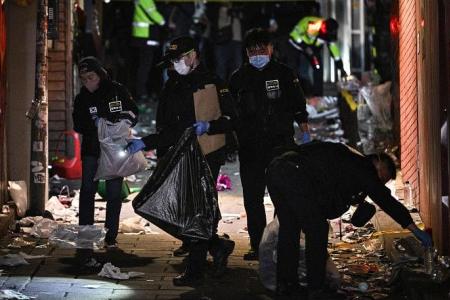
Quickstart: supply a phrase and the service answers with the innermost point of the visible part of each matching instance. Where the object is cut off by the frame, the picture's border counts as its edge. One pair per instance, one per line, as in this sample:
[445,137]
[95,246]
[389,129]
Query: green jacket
[145,15]
[307,31]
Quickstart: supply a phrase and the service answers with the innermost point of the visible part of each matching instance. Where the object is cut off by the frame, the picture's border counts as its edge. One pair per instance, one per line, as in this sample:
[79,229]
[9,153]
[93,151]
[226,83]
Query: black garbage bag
[180,196]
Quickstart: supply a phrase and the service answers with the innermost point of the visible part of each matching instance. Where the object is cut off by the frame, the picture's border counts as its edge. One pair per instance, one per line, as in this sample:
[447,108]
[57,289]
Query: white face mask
[181,67]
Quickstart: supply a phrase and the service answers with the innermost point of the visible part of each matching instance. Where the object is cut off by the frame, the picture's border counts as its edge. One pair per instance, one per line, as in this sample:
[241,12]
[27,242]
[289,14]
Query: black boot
[220,252]
[195,265]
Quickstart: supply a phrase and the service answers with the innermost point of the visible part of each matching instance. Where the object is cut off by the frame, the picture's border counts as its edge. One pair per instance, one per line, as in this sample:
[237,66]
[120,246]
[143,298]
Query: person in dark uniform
[99,97]
[319,181]
[268,101]
[176,112]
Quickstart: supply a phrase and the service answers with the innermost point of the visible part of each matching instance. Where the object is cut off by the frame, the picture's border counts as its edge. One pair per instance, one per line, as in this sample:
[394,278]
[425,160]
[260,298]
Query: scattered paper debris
[111,271]
[92,286]
[11,294]
[12,260]
[19,242]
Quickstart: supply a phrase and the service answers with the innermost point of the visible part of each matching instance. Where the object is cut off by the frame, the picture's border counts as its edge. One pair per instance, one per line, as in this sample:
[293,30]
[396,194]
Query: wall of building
[408,92]
[428,61]
[20,65]
[60,79]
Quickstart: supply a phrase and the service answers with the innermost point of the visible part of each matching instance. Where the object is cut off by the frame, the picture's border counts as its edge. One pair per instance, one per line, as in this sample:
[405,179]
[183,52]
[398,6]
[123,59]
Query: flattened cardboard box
[207,108]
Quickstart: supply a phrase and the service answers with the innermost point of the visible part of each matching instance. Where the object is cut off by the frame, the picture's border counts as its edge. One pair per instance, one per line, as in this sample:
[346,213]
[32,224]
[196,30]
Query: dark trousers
[311,78]
[87,198]
[145,60]
[228,57]
[253,164]
[198,249]
[297,211]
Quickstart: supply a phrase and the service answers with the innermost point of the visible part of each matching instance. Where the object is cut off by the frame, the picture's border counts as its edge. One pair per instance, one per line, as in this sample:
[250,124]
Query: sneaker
[111,245]
[181,251]
[187,279]
[251,255]
[220,259]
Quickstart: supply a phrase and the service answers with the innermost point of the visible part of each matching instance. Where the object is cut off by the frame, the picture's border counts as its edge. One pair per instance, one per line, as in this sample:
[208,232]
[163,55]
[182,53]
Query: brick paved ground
[57,277]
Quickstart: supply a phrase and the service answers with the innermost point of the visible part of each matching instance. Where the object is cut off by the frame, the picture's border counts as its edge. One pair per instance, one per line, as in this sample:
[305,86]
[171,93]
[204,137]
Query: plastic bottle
[408,194]
[428,260]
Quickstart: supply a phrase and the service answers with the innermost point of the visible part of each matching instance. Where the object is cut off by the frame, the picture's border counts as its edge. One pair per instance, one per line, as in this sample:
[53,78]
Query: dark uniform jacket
[267,102]
[111,101]
[336,176]
[176,110]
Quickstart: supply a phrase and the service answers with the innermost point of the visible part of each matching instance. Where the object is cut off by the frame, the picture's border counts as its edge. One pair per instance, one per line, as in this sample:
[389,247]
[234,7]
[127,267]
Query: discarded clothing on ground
[180,196]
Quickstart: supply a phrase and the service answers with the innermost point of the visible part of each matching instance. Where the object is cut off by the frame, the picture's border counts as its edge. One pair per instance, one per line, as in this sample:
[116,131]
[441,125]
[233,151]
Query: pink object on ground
[223,182]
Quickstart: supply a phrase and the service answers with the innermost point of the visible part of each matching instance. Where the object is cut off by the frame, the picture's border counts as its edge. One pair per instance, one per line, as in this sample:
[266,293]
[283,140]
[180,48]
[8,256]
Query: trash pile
[323,119]
[365,111]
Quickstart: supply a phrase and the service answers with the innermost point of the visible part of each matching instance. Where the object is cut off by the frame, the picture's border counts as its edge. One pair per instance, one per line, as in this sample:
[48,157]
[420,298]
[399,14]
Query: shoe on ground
[251,255]
[111,245]
[181,251]
[220,259]
[187,279]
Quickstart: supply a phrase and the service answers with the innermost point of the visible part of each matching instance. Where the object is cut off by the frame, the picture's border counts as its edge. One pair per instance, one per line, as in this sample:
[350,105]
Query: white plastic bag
[268,260]
[18,192]
[114,160]
[78,236]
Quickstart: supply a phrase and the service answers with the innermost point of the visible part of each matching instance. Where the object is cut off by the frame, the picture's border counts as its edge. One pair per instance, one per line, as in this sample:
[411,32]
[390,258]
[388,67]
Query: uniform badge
[272,85]
[92,110]
[115,106]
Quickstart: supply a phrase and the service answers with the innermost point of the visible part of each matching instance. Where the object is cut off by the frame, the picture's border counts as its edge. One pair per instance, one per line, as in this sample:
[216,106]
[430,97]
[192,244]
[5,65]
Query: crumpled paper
[111,271]
[12,260]
[135,225]
[11,294]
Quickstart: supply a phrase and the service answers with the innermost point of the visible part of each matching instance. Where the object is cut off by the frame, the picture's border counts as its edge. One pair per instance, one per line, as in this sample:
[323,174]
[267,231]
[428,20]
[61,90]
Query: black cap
[178,47]
[91,64]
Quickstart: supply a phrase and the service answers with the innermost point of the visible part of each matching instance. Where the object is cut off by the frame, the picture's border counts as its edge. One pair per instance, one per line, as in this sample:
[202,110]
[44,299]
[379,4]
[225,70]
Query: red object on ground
[65,166]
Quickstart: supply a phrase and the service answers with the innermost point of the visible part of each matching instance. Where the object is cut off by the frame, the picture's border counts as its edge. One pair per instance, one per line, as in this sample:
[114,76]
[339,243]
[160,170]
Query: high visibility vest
[145,14]
[307,31]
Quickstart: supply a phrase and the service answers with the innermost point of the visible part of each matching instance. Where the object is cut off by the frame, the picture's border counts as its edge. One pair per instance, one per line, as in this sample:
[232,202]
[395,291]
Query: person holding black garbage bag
[99,97]
[319,181]
[269,99]
[178,110]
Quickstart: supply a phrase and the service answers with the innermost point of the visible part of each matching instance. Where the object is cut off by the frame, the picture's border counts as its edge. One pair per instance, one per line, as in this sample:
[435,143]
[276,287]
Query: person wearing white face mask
[268,100]
[177,111]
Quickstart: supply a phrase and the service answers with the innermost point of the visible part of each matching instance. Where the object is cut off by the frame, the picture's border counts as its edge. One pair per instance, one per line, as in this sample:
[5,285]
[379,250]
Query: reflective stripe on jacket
[145,15]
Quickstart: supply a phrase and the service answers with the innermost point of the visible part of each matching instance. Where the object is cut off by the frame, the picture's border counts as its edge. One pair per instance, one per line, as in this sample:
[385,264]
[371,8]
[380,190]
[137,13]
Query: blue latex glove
[201,127]
[306,138]
[134,146]
[422,236]
[95,118]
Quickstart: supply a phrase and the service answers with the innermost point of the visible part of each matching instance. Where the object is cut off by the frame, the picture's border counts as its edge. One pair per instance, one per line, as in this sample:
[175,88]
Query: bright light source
[106,1]
[122,153]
